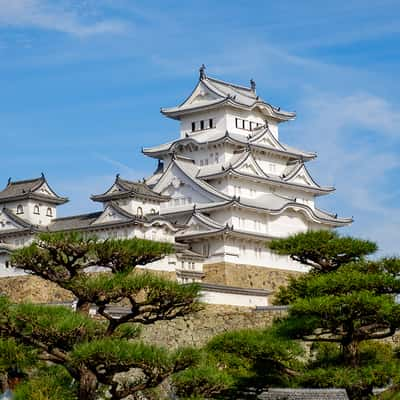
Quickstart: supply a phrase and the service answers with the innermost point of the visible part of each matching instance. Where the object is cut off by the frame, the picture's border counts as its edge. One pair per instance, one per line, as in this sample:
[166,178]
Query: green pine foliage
[345,302]
[323,250]
[87,352]
[234,361]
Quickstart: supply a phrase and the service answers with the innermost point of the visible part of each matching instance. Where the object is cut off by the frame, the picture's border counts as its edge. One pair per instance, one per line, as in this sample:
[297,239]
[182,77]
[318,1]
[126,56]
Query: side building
[221,190]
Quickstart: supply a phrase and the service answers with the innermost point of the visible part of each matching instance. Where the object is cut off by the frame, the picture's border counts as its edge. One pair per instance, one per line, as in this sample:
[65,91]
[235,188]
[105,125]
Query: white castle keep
[221,191]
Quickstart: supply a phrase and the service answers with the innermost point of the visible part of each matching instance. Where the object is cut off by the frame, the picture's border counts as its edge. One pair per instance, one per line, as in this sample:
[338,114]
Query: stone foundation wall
[246,276]
[31,288]
[198,328]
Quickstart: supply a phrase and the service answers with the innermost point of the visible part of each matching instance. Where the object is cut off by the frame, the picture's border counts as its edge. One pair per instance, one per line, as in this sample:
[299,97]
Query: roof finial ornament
[9,181]
[42,175]
[253,85]
[117,176]
[202,71]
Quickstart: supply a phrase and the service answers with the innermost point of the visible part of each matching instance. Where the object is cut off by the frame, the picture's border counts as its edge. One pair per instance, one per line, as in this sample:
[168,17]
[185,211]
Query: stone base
[198,328]
[31,288]
[246,276]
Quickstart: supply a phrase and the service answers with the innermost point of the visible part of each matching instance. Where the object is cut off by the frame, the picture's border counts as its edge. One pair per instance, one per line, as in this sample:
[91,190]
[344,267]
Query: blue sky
[82,82]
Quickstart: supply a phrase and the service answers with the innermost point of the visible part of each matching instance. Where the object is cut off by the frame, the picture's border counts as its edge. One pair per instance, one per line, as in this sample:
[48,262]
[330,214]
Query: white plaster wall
[7,271]
[252,252]
[233,299]
[132,205]
[29,215]
[219,117]
[232,114]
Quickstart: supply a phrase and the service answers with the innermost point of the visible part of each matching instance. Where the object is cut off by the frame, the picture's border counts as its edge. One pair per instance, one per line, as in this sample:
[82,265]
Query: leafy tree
[323,250]
[348,306]
[344,301]
[237,360]
[377,367]
[93,351]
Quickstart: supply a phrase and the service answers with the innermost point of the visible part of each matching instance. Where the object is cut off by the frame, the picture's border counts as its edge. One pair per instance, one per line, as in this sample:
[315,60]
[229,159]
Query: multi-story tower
[235,184]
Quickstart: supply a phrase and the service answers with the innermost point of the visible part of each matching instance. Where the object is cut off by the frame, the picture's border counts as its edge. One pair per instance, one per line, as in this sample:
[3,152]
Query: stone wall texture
[198,328]
[30,288]
[246,276]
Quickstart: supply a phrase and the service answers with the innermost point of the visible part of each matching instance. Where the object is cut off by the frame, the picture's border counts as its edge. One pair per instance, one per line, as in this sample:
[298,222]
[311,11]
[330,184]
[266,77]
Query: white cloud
[357,138]
[42,14]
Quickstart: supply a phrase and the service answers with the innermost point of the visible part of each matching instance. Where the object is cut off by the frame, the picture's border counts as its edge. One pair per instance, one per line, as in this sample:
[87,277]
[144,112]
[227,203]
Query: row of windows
[246,125]
[36,210]
[203,124]
[190,265]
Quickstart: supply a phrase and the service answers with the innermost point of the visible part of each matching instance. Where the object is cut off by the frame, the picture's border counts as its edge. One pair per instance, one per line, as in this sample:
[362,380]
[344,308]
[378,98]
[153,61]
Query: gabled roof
[211,92]
[20,225]
[190,171]
[93,221]
[123,188]
[37,189]
[270,143]
[273,205]
[291,177]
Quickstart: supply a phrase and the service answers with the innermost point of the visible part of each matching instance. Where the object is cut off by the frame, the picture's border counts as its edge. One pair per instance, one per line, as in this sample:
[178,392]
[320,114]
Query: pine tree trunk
[83,307]
[87,385]
[3,382]
[350,353]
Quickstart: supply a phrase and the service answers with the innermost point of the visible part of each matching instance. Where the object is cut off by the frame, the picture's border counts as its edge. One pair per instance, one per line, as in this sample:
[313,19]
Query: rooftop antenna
[202,71]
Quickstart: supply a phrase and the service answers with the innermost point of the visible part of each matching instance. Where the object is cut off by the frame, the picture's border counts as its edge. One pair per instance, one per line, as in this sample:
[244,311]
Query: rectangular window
[201,163]
[237,122]
[211,123]
[193,126]
[217,157]
[201,125]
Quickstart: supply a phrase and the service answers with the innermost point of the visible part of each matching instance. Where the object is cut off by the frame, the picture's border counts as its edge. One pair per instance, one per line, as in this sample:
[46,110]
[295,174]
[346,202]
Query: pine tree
[345,300]
[93,351]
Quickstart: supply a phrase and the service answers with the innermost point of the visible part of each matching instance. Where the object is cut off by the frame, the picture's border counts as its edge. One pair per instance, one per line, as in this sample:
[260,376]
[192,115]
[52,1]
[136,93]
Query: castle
[221,190]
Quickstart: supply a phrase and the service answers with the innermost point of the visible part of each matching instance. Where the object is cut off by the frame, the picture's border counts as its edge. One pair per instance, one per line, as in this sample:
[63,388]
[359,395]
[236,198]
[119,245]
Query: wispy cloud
[42,14]
[349,132]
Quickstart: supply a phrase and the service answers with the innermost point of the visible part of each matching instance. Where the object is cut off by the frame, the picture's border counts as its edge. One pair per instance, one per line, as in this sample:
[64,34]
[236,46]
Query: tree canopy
[93,351]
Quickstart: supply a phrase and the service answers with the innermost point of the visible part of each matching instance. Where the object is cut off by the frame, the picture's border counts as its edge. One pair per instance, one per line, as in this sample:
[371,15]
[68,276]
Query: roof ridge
[77,216]
[27,181]
[230,84]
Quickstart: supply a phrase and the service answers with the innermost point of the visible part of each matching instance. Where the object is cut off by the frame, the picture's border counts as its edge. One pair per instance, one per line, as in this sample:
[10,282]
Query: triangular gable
[177,182]
[110,215]
[267,139]
[249,166]
[8,223]
[45,190]
[301,177]
[197,224]
[201,94]
[115,188]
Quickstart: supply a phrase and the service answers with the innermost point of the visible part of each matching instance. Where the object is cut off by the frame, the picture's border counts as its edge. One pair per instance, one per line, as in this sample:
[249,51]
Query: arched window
[49,212]
[20,209]
[36,209]
[153,211]
[139,212]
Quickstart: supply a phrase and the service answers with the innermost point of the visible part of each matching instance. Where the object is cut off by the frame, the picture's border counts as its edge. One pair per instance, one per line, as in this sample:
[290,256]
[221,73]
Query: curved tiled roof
[229,94]
[126,188]
[212,137]
[27,189]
